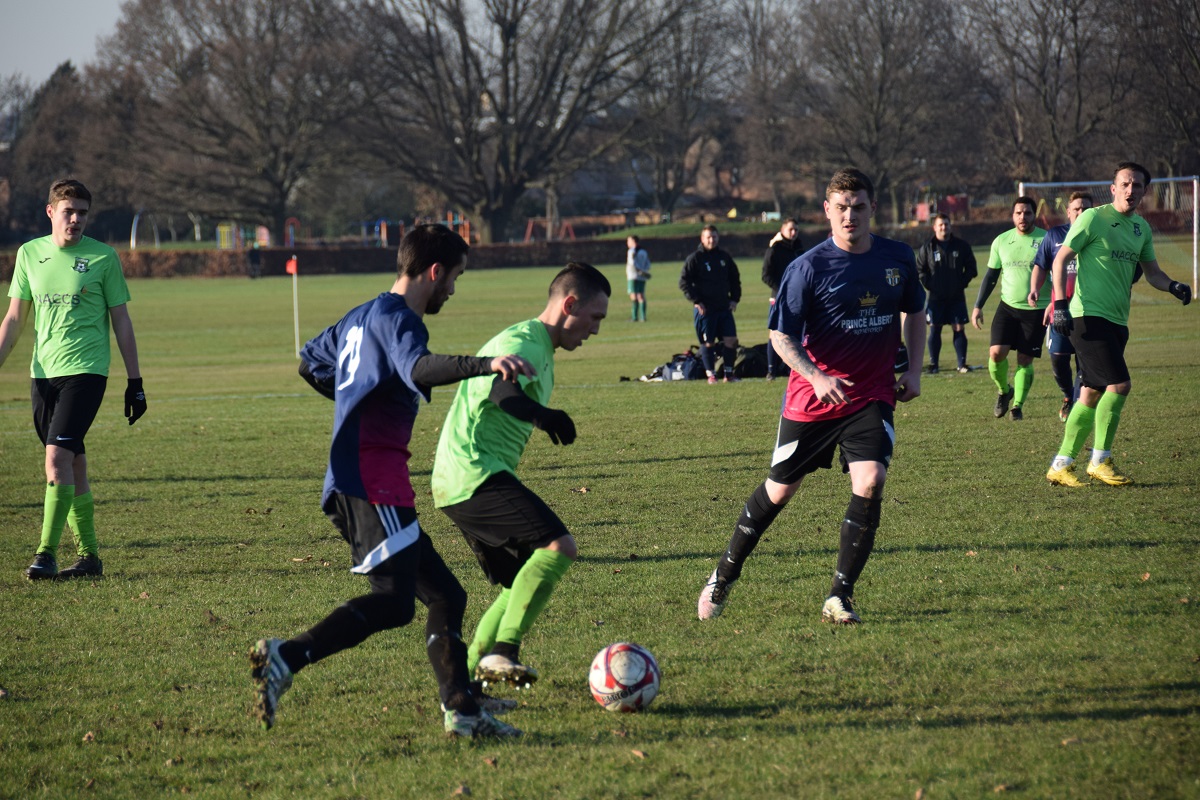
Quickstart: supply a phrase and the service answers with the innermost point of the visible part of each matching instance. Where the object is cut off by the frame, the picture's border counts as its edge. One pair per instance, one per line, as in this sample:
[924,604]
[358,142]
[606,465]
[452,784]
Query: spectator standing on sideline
[710,279]
[784,248]
[837,323]
[1016,326]
[946,266]
[376,366]
[519,541]
[637,272]
[1109,244]
[254,261]
[75,290]
[1060,346]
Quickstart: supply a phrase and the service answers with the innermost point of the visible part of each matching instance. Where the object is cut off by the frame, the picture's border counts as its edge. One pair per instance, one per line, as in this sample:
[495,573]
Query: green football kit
[72,289]
[1109,246]
[1013,253]
[479,440]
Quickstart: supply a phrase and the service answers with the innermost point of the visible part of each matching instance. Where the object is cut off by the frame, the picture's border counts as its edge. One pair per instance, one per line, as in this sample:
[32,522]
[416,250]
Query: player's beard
[440,295]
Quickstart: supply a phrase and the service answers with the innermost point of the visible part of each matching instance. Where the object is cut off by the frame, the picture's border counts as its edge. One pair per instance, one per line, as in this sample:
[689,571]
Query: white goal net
[1169,207]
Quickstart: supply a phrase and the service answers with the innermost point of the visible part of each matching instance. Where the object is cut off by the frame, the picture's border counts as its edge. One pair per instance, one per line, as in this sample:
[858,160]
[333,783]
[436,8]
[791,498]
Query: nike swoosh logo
[62,438]
[44,260]
[835,288]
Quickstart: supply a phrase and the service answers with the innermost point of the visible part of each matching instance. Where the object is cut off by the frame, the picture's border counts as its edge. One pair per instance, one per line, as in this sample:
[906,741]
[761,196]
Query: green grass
[1017,635]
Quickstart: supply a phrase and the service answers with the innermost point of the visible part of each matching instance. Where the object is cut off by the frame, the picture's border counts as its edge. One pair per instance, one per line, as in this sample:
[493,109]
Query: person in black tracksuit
[945,266]
[710,279]
[784,248]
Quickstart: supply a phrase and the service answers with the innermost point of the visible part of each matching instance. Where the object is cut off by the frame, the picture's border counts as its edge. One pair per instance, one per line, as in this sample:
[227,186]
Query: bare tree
[225,106]
[891,78]
[679,105]
[479,99]
[772,57]
[1167,40]
[1060,78]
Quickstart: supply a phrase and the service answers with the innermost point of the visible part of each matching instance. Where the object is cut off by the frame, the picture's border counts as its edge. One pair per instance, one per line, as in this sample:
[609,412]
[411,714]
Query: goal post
[1169,207]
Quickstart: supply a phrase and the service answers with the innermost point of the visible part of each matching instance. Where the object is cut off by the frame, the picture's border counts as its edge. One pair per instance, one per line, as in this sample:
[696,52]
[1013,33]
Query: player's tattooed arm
[828,389]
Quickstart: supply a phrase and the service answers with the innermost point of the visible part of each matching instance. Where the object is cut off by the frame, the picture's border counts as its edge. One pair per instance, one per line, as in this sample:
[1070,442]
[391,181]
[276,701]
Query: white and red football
[624,677]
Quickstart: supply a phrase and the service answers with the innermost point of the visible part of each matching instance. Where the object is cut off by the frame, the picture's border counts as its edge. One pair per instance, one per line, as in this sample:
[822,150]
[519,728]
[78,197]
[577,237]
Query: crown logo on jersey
[868,300]
[81,265]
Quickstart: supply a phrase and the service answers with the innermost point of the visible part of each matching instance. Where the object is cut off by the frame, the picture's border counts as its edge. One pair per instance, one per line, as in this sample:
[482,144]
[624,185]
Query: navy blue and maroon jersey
[844,309]
[370,353]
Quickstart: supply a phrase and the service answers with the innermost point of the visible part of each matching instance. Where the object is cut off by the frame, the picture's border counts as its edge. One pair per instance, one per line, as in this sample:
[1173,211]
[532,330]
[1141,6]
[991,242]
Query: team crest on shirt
[81,265]
[892,276]
[868,300]
[1137,229]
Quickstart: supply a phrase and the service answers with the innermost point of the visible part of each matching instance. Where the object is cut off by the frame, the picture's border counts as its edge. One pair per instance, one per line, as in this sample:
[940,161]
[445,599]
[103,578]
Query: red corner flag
[291,266]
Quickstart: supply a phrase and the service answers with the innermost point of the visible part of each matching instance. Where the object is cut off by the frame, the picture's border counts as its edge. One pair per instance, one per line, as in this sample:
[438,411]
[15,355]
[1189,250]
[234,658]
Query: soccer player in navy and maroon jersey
[376,366]
[837,322]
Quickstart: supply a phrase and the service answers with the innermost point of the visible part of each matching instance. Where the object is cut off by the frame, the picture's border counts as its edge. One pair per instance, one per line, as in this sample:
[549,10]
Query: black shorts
[503,523]
[1019,328]
[714,326]
[64,408]
[1100,351]
[389,547]
[939,312]
[804,447]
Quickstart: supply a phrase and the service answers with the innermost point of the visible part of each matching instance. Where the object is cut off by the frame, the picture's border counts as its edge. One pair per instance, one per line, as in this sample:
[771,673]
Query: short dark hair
[712,228]
[849,179]
[426,245]
[1027,201]
[1081,196]
[940,215]
[1134,166]
[635,238]
[68,188]
[583,281]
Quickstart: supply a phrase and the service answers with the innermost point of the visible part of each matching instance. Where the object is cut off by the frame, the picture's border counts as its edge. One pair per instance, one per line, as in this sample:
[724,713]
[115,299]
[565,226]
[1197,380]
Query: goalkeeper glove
[557,425]
[1061,321]
[1182,291]
[135,400]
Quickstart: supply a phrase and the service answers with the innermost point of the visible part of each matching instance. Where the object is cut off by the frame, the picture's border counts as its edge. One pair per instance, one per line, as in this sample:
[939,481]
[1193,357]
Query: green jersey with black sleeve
[1013,253]
[1108,246]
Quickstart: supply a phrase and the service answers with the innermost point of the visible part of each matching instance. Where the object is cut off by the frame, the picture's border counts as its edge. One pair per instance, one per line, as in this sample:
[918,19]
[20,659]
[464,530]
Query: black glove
[1182,291]
[1061,321]
[557,425]
[135,400]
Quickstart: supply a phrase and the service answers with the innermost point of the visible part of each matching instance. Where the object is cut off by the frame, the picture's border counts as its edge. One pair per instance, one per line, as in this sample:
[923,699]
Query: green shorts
[636,286]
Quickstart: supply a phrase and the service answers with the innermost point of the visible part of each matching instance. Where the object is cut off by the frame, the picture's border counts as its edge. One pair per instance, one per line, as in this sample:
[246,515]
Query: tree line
[259,110]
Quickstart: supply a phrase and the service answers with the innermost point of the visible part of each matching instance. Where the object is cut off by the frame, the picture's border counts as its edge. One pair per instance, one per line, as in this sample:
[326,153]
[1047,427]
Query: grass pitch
[1019,638]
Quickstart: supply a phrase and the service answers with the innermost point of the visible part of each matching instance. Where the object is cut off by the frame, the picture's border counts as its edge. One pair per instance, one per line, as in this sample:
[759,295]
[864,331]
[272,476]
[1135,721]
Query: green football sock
[531,592]
[54,517]
[1108,416]
[485,632]
[999,372]
[1079,425]
[1022,382]
[643,306]
[80,518]
[634,310]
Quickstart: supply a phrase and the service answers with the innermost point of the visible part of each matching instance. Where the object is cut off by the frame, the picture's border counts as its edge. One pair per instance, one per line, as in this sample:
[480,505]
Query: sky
[39,35]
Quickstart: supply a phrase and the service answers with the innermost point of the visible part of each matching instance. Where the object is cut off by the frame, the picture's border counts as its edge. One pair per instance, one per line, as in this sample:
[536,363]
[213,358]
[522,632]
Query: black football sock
[757,515]
[960,347]
[1064,376]
[448,652]
[708,359]
[857,541]
[935,345]
[728,359]
[346,626]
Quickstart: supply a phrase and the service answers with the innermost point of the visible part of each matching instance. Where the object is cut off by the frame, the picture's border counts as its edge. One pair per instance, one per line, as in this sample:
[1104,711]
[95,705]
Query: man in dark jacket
[710,279]
[946,265]
[784,248]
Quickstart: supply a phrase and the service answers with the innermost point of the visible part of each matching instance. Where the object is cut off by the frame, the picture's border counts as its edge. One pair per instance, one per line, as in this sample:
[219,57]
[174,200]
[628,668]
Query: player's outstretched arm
[13,324]
[438,370]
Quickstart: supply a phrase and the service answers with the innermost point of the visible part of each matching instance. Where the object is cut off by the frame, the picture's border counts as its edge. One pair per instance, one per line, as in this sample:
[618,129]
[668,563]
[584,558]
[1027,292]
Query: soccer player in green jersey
[73,287]
[1109,243]
[1016,326]
[519,541]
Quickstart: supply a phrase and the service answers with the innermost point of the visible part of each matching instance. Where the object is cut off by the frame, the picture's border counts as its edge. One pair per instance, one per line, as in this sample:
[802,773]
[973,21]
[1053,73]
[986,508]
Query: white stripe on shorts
[398,537]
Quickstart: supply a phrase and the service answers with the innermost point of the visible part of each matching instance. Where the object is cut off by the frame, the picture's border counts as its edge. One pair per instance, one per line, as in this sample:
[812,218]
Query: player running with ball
[837,323]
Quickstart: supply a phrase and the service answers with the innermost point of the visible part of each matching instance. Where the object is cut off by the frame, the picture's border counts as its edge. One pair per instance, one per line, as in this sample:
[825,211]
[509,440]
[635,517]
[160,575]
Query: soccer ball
[624,677]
